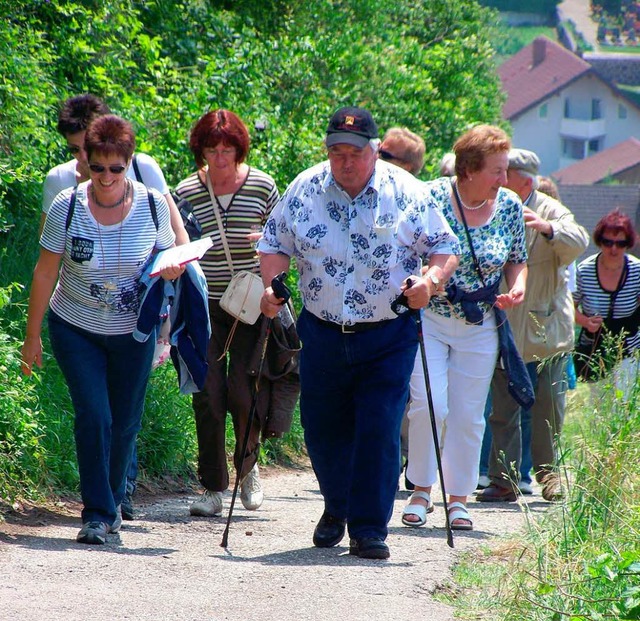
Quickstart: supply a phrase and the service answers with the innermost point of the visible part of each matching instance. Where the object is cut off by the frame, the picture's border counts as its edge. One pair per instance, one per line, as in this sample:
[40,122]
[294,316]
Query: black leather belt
[354,328]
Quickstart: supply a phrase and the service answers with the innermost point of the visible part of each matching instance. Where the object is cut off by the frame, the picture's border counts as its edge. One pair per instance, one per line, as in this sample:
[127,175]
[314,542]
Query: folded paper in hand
[180,255]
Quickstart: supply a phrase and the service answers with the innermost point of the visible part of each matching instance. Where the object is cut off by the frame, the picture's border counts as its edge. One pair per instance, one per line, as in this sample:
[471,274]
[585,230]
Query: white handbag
[241,298]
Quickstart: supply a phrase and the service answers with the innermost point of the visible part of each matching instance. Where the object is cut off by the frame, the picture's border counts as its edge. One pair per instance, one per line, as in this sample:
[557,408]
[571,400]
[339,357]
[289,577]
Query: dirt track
[167,565]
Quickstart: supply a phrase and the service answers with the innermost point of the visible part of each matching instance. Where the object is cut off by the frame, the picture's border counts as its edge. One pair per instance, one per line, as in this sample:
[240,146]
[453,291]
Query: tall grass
[581,559]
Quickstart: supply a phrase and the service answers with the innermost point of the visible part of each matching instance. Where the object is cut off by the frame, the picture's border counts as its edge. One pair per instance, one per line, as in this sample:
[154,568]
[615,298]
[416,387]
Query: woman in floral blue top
[460,329]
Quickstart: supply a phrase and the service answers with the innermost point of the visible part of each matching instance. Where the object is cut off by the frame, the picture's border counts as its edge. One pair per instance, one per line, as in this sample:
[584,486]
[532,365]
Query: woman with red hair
[230,199]
[607,297]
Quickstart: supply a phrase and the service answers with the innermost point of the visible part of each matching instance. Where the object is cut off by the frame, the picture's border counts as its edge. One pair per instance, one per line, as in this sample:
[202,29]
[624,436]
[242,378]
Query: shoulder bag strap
[136,168]
[152,208]
[614,294]
[72,208]
[215,204]
[466,230]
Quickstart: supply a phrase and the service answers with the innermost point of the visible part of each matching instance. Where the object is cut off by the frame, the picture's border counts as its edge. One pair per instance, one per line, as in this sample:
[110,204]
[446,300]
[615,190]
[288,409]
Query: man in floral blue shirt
[357,227]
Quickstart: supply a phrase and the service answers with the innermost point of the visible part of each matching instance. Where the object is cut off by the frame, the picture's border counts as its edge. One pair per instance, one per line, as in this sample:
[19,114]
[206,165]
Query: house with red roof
[620,163]
[561,108]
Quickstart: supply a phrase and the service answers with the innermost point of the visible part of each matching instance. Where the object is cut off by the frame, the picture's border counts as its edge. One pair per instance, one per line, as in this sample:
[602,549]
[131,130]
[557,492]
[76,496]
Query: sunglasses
[73,149]
[618,243]
[99,168]
[387,157]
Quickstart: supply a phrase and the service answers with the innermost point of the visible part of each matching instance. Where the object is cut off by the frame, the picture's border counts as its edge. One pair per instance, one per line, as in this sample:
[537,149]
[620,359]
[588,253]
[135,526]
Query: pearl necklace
[480,206]
[120,201]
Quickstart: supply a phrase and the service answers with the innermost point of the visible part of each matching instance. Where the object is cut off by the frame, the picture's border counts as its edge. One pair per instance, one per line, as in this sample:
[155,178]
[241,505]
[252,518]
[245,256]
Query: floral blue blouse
[501,240]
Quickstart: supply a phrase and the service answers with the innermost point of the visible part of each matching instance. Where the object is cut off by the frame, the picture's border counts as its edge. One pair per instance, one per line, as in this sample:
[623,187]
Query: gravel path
[168,566]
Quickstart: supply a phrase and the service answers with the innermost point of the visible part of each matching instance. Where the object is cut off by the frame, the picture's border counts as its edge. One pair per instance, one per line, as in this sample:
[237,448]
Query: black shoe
[127,507]
[329,531]
[369,547]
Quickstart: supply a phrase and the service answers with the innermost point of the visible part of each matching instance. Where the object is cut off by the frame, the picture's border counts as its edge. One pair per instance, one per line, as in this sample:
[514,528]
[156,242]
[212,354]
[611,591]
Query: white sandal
[459,513]
[420,511]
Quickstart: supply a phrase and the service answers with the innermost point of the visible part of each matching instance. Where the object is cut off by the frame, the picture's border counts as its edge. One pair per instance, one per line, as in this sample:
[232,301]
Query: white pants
[460,359]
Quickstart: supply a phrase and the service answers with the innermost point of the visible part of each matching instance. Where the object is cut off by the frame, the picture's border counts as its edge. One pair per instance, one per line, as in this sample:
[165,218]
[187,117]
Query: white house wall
[544,135]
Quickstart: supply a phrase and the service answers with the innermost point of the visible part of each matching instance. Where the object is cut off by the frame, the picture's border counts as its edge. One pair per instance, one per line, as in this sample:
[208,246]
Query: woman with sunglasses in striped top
[607,297]
[96,241]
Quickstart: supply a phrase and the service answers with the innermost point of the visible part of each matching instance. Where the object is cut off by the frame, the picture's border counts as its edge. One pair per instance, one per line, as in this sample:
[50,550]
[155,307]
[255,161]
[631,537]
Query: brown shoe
[552,487]
[495,493]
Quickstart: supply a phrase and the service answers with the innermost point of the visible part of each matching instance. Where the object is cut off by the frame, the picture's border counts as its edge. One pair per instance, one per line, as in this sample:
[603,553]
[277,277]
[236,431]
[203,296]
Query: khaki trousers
[547,417]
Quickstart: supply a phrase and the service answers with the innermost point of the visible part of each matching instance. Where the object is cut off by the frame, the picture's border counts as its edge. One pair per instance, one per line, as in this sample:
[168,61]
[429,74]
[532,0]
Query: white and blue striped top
[594,300]
[98,285]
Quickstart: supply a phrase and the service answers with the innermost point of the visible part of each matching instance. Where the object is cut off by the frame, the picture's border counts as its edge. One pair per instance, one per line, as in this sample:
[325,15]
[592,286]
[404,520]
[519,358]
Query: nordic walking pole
[399,303]
[282,292]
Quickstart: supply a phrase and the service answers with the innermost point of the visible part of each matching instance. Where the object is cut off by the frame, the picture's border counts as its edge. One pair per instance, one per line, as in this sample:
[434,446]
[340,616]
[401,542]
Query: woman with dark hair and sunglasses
[607,296]
[232,201]
[96,241]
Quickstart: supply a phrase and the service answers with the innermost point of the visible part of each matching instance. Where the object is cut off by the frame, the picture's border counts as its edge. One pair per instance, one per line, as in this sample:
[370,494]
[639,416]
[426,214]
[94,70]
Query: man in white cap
[357,227]
[543,331]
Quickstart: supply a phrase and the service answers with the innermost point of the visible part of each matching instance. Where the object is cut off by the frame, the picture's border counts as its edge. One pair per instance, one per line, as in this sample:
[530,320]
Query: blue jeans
[525,432]
[107,377]
[354,388]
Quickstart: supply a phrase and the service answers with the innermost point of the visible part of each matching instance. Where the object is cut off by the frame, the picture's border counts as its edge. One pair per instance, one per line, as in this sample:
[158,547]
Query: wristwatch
[439,292]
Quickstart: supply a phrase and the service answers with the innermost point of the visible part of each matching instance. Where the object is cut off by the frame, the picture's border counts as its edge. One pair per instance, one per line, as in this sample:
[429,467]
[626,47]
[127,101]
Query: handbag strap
[215,203]
[621,283]
[476,263]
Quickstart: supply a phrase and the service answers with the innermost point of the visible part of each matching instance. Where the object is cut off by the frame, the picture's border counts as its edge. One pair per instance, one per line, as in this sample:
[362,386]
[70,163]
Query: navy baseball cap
[351,125]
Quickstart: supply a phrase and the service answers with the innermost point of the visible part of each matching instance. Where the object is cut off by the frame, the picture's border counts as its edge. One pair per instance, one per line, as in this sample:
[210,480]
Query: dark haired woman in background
[103,232]
[243,197]
[607,297]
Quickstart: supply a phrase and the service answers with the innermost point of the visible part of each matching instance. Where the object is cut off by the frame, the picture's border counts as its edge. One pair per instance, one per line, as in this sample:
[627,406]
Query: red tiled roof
[593,169]
[526,84]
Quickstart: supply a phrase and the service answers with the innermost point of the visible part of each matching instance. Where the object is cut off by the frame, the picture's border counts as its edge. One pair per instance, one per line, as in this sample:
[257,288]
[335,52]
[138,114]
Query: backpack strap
[152,208]
[136,168]
[72,208]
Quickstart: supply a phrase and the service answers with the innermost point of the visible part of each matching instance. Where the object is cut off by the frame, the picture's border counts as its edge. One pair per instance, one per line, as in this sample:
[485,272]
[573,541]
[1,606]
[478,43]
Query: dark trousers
[228,387]
[354,388]
[107,376]
[547,417]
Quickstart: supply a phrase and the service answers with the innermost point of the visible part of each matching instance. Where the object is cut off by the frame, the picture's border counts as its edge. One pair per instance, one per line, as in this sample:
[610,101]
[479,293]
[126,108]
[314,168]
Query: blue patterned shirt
[353,254]
[501,240]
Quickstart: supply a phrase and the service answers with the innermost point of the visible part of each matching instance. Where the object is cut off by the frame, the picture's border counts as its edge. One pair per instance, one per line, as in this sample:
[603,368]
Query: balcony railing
[582,129]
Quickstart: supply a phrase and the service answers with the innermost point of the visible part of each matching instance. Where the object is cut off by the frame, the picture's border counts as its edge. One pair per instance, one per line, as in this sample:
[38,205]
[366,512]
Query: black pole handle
[401,304]
[280,290]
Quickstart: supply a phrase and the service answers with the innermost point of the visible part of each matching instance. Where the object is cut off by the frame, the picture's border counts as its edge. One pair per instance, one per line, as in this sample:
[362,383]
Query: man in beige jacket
[543,330]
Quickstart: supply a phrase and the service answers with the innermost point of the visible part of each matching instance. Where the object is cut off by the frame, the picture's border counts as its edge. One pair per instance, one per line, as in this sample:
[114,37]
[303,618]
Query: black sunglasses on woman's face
[387,157]
[99,168]
[610,243]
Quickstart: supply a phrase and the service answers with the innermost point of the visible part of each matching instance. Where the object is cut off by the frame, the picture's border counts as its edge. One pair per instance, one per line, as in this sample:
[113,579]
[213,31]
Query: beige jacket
[543,324]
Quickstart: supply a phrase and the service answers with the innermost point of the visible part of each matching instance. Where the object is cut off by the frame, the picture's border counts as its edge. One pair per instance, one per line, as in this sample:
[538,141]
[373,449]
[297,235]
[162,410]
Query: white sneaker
[251,492]
[525,487]
[208,505]
[483,481]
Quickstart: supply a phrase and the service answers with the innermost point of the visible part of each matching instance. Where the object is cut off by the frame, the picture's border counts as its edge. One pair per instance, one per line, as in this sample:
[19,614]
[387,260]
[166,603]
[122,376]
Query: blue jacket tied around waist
[519,382]
[190,327]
